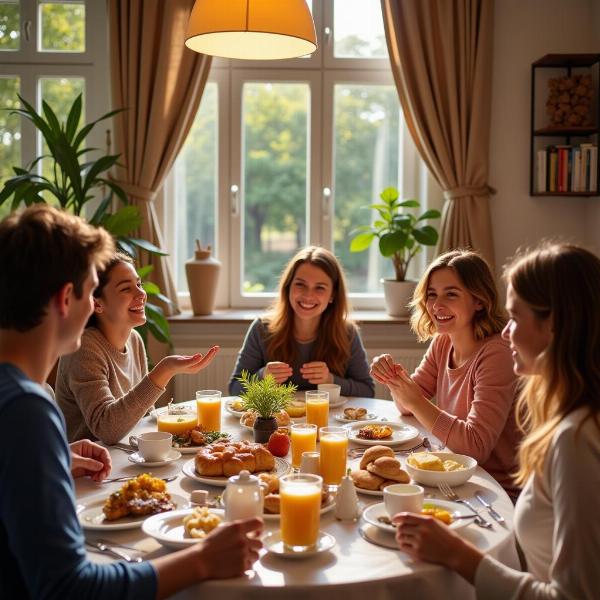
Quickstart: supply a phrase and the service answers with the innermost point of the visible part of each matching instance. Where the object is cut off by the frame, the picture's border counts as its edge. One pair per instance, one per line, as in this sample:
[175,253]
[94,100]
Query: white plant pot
[398,294]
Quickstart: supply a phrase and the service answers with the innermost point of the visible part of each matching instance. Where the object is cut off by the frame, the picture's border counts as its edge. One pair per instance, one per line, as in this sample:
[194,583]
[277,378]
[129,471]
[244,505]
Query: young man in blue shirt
[48,262]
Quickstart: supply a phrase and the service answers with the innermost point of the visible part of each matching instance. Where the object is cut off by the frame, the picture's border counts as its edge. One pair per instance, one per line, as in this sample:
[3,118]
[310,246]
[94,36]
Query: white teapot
[243,497]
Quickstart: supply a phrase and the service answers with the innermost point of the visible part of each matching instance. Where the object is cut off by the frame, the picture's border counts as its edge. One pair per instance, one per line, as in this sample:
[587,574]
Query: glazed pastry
[226,459]
[355,413]
[375,432]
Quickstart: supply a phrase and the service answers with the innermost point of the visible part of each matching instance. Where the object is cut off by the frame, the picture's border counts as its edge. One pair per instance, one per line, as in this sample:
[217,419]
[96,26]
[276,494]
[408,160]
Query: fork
[449,493]
[358,452]
[114,552]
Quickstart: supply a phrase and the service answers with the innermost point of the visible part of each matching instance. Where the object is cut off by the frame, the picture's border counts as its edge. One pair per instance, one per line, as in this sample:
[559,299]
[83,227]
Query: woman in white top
[553,300]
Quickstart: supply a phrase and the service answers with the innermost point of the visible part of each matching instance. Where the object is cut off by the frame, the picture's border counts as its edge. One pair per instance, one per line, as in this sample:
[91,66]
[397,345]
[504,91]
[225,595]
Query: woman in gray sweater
[105,388]
[307,337]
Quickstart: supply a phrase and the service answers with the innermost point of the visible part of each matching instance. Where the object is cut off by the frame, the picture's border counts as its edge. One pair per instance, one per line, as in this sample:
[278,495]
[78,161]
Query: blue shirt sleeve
[356,381]
[43,536]
[252,357]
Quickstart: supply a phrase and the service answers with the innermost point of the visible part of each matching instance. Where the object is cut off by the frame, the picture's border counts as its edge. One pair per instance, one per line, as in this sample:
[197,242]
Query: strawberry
[279,443]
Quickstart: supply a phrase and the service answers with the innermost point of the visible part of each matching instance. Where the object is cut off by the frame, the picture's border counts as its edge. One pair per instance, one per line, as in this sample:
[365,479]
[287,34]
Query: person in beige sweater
[554,334]
[105,388]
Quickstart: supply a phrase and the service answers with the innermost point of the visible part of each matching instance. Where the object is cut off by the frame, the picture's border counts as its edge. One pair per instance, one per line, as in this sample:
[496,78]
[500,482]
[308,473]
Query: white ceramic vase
[398,294]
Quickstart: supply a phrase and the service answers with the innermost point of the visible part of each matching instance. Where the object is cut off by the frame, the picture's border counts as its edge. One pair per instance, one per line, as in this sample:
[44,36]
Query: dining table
[364,562]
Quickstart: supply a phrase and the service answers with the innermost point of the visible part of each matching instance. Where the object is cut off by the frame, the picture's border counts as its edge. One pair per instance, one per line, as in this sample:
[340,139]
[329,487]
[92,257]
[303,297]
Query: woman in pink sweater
[467,368]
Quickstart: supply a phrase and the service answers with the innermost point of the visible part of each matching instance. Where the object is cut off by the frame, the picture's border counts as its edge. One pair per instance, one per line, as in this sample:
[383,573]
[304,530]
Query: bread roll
[239,463]
[373,453]
[388,468]
[226,459]
[272,504]
[365,480]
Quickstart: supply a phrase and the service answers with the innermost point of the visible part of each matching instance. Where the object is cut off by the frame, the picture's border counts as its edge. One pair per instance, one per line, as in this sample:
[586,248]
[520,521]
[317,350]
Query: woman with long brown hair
[553,300]
[467,367]
[307,337]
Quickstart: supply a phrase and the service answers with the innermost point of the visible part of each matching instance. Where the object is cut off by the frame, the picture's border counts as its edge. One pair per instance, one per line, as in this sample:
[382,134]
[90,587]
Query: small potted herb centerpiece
[265,397]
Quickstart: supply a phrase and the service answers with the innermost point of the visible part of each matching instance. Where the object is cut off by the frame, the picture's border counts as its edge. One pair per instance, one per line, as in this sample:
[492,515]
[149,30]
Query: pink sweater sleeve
[483,406]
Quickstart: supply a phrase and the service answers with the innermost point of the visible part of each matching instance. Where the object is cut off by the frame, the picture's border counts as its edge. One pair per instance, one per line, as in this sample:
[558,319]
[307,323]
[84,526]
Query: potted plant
[401,236]
[74,182]
[265,397]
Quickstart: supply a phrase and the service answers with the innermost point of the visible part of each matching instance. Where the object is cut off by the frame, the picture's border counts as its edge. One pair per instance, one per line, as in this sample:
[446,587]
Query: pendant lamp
[251,29]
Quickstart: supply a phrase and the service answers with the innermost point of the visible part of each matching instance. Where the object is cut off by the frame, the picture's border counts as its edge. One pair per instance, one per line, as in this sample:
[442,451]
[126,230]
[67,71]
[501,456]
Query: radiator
[216,376]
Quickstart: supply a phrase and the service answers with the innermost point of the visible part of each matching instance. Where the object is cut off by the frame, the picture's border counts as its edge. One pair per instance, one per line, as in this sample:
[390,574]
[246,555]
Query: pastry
[366,480]
[249,417]
[200,522]
[373,453]
[272,504]
[296,409]
[425,461]
[225,459]
[355,413]
[388,468]
[375,432]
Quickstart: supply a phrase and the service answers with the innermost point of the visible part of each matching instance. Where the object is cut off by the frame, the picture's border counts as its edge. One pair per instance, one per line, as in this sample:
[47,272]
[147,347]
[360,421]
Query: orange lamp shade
[251,29]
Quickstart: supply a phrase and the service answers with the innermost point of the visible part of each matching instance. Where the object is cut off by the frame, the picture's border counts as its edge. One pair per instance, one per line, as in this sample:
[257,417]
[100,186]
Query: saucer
[138,459]
[273,543]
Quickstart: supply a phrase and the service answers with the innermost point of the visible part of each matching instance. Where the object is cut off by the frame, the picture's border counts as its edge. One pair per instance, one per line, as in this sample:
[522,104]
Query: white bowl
[452,478]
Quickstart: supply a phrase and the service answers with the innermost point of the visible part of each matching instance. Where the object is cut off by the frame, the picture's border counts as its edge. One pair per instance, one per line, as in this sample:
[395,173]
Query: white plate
[230,410]
[189,470]
[344,419]
[194,449]
[369,492]
[300,395]
[91,516]
[140,460]
[272,543]
[374,511]
[275,517]
[400,433]
[167,528]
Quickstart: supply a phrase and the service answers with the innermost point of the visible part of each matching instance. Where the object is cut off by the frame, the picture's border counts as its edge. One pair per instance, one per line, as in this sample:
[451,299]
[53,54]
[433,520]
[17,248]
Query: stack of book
[568,168]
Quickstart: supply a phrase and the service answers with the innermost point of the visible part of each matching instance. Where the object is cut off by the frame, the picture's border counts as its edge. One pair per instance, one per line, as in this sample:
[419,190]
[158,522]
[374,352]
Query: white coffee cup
[154,445]
[403,497]
[333,389]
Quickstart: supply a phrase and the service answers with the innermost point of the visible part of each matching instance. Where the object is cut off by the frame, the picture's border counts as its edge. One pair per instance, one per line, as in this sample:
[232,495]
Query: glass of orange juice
[208,403]
[178,420]
[334,450]
[304,439]
[317,408]
[300,498]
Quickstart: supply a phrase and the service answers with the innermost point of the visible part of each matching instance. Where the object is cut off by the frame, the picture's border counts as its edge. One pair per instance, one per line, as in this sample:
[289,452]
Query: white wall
[526,30]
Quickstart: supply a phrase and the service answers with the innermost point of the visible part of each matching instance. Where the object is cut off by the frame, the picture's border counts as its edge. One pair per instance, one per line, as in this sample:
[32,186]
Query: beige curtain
[441,58]
[160,83]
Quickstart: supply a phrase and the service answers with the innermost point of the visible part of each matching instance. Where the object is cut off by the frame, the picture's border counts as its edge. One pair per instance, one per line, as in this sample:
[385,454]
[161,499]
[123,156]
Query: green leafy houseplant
[401,235]
[74,182]
[266,397]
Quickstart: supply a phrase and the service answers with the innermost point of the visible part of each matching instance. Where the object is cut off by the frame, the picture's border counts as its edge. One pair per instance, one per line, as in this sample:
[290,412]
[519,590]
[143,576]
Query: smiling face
[123,300]
[528,334]
[450,305]
[310,291]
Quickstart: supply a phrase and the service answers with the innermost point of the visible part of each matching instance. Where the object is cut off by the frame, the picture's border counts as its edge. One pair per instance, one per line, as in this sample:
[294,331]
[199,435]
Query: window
[288,153]
[50,51]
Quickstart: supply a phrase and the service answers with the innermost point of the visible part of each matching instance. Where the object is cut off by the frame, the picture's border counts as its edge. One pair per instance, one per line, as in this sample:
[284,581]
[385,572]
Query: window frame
[30,65]
[323,71]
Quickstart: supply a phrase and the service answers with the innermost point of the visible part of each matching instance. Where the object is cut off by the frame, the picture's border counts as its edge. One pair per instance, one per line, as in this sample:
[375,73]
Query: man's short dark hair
[42,249]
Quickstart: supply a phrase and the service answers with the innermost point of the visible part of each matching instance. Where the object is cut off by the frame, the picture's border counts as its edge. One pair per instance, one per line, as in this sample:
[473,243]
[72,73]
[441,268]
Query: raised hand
[89,458]
[280,371]
[175,364]
[316,372]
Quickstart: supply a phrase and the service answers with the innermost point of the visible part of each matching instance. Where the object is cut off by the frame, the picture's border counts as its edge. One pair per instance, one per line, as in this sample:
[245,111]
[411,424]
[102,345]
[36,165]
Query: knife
[498,517]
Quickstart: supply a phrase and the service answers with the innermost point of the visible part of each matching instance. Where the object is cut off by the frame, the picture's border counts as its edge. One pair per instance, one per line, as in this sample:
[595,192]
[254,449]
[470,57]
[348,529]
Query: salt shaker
[346,502]
[243,498]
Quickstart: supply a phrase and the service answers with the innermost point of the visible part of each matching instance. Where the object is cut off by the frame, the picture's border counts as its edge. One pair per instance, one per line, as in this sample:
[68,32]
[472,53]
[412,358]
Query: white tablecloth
[355,568]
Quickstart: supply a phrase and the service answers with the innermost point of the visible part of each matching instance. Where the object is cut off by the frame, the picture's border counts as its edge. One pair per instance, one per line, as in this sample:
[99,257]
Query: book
[541,171]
